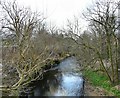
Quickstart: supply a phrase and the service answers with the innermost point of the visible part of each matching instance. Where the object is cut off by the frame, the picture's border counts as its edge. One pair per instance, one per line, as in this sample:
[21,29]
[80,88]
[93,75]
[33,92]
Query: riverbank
[91,90]
[98,85]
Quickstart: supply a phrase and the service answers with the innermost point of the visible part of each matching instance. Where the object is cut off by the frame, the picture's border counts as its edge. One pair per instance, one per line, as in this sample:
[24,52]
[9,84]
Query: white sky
[57,11]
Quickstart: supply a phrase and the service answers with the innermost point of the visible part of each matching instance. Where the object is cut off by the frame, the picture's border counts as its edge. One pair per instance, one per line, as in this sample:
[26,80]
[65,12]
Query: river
[64,80]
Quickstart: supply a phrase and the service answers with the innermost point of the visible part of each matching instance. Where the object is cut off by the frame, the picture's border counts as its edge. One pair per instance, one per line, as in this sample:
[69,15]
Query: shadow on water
[63,81]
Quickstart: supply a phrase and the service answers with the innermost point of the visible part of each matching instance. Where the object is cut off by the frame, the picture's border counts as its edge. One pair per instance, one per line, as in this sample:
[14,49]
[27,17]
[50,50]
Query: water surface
[64,80]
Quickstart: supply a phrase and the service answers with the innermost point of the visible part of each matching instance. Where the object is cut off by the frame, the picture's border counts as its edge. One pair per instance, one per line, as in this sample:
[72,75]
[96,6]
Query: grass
[101,80]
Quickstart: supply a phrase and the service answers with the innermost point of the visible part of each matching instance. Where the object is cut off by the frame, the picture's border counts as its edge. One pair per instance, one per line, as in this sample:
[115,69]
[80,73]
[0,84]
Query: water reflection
[71,85]
[63,81]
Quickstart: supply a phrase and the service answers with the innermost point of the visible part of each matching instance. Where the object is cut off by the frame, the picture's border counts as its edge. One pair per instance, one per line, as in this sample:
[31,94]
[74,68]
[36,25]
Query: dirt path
[95,91]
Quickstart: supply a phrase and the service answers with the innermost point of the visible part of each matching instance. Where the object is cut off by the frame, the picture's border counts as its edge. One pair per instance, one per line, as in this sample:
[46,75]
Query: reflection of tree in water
[47,86]
[53,82]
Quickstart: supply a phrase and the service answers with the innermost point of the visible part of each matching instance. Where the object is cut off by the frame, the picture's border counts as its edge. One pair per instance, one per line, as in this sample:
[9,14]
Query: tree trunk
[119,39]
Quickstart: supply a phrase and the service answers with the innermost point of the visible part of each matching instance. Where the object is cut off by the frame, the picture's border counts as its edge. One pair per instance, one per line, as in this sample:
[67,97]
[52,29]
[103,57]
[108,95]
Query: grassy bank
[101,81]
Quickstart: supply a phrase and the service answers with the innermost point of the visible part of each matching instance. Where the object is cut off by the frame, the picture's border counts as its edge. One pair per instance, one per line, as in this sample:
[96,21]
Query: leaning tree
[18,27]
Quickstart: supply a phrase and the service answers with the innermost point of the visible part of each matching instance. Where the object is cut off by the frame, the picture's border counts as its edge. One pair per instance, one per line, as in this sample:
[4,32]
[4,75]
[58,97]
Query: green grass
[101,80]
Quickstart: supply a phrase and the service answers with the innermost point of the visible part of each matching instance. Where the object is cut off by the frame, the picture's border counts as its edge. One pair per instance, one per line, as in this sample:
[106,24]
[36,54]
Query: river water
[65,80]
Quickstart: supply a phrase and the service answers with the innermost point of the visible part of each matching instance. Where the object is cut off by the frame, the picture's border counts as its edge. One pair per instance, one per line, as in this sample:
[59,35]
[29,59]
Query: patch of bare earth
[95,91]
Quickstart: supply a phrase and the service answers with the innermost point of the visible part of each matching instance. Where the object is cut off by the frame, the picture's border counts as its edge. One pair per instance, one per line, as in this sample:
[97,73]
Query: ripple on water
[71,85]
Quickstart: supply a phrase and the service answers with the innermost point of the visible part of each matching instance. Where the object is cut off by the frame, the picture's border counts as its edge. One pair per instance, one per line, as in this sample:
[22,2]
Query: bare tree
[103,21]
[103,26]
[20,23]
[119,37]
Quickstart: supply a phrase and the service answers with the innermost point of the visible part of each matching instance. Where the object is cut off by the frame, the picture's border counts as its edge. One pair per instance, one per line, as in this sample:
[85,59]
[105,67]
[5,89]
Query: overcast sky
[57,11]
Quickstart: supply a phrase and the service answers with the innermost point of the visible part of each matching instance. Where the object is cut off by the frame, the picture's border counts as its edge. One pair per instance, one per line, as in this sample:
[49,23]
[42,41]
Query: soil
[91,90]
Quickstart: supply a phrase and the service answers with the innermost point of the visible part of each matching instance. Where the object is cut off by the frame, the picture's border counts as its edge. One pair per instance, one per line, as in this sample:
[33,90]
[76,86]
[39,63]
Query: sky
[57,11]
